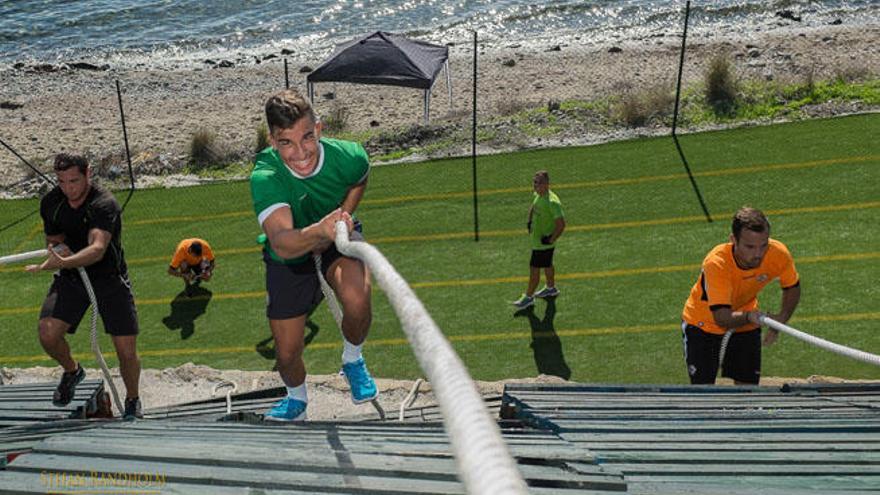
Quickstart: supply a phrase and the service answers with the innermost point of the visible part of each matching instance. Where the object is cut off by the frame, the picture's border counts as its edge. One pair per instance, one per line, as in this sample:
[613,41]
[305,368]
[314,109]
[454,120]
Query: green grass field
[635,238]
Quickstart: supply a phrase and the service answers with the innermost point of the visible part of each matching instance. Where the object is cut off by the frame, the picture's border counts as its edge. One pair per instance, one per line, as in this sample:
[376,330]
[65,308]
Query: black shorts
[742,359]
[542,258]
[294,290]
[68,301]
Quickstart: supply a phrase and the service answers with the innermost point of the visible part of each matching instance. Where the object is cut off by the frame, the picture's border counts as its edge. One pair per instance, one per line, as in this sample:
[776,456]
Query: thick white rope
[96,349]
[484,462]
[15,258]
[821,343]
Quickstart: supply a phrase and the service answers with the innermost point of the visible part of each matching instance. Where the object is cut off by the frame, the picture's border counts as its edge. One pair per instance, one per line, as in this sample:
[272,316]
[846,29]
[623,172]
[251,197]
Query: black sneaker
[133,409]
[64,393]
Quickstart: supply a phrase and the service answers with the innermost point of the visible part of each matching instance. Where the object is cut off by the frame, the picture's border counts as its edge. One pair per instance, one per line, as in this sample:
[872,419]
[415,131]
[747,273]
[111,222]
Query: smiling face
[750,248]
[298,145]
[74,184]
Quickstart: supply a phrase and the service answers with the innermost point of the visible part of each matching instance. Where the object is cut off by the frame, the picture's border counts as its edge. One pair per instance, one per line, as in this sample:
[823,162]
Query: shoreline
[77,110]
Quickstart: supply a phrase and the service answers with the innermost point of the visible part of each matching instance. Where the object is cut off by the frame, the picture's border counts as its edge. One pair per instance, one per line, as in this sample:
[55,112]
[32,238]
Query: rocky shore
[73,106]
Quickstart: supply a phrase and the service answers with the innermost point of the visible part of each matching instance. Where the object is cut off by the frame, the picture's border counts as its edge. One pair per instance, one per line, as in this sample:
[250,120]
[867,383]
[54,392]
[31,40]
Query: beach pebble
[787,14]
[286,51]
[88,66]
[615,49]
[509,62]
[836,22]
[305,69]
[554,48]
[754,53]
[269,56]
[225,64]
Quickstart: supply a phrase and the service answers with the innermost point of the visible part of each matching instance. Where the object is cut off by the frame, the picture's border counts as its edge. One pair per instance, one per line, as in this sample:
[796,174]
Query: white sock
[298,393]
[350,352]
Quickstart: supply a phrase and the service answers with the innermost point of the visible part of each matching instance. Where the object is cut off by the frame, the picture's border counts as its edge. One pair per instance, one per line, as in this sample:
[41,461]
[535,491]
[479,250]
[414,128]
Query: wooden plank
[648,445]
[778,438]
[788,485]
[744,456]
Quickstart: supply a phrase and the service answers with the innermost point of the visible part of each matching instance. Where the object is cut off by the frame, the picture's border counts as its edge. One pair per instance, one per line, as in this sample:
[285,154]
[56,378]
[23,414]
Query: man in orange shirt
[724,299]
[193,261]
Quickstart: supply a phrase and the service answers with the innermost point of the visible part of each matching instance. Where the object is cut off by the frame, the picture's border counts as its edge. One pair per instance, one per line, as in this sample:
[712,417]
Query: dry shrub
[510,106]
[336,119]
[204,150]
[721,85]
[636,109]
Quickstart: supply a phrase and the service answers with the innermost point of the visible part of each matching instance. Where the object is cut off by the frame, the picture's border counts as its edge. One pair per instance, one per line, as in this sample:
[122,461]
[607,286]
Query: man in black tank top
[83,227]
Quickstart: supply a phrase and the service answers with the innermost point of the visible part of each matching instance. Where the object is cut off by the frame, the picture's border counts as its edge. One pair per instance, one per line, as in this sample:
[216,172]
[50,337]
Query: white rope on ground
[821,343]
[483,460]
[232,388]
[408,401]
[96,349]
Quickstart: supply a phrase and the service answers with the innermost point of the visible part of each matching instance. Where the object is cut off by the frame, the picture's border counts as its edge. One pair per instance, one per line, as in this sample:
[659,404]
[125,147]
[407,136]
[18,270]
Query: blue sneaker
[287,409]
[363,387]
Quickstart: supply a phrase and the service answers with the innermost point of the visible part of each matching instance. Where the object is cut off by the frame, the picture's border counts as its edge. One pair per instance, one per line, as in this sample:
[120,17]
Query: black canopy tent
[385,58]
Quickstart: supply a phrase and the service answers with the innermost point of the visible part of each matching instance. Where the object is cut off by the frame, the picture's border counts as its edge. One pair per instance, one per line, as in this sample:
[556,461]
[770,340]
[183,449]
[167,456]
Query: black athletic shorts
[68,301]
[294,290]
[542,258]
[742,360]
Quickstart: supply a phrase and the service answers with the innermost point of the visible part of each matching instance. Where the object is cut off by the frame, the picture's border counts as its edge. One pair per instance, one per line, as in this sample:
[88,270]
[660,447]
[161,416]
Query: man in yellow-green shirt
[545,224]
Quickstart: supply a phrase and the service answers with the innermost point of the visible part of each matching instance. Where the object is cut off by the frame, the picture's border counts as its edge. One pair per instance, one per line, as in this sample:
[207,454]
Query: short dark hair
[286,108]
[196,248]
[543,175]
[749,218]
[64,161]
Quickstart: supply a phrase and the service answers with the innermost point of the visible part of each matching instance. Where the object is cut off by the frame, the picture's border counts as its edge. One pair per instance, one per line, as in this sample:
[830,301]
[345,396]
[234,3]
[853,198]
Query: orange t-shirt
[723,283]
[182,253]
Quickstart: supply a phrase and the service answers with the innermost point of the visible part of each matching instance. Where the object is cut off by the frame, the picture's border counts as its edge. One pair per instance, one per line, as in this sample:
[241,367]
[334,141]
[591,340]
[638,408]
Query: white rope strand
[15,258]
[821,343]
[329,295]
[96,349]
[483,460]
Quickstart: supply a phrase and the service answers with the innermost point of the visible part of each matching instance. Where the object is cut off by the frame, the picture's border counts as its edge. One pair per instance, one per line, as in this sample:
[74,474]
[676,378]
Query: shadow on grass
[546,346]
[266,347]
[185,309]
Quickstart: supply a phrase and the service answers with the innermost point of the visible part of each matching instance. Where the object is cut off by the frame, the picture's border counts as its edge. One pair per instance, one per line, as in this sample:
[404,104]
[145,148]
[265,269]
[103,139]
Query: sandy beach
[44,110]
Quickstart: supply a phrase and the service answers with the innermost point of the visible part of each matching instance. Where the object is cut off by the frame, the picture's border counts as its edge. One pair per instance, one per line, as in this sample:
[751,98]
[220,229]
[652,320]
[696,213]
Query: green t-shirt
[341,165]
[545,210]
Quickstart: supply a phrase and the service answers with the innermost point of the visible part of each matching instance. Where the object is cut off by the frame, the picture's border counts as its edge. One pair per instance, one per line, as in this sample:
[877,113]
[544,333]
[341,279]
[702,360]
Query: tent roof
[383,58]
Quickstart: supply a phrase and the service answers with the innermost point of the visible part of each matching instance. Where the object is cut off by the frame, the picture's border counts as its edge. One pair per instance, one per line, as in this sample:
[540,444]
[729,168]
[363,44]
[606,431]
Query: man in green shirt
[301,186]
[546,223]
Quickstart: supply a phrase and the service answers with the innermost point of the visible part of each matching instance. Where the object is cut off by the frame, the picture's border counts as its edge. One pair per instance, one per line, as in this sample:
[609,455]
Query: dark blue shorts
[294,290]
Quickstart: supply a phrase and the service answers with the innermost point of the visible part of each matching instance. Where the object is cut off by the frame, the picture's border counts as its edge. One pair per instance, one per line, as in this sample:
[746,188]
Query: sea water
[179,32]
